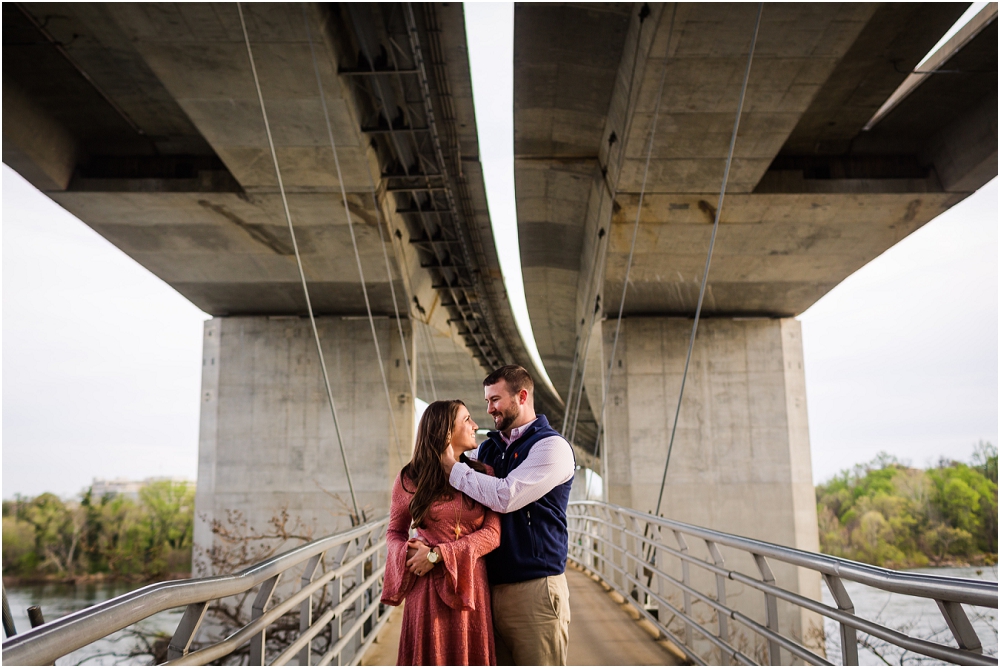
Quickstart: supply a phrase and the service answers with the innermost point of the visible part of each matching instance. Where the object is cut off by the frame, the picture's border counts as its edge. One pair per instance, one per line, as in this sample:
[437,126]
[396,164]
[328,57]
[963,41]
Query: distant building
[102,487]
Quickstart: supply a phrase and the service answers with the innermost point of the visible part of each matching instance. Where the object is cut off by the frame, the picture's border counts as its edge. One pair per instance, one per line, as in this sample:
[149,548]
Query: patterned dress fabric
[448,619]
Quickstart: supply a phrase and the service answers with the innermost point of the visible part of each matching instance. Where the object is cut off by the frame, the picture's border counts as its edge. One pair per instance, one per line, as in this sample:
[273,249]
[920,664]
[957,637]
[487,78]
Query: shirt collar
[516,432]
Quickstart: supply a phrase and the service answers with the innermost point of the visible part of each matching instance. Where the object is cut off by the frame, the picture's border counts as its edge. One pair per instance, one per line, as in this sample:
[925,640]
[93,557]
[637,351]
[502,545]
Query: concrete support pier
[741,461]
[267,438]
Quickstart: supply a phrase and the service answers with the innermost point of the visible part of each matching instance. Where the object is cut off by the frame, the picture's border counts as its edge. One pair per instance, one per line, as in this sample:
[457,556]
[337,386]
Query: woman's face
[463,432]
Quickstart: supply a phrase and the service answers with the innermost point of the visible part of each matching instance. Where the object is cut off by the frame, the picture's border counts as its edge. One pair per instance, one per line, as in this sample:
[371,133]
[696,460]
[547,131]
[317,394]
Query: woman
[447,620]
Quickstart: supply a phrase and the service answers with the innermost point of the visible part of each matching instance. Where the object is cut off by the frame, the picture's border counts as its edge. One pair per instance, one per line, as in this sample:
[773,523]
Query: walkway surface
[601,633]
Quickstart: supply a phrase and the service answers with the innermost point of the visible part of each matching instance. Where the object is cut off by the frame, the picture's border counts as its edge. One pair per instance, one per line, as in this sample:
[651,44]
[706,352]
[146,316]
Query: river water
[912,616]
[58,600]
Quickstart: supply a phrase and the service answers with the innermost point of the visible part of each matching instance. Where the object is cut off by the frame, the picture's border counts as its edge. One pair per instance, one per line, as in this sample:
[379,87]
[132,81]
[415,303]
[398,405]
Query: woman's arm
[398,580]
[458,558]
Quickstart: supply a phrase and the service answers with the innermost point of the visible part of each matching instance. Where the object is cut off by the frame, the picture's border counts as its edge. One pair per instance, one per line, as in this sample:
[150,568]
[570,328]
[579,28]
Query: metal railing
[629,550]
[347,566]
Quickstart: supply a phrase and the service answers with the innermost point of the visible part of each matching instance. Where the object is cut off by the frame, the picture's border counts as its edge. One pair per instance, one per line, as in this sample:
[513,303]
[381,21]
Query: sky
[902,355]
[101,363]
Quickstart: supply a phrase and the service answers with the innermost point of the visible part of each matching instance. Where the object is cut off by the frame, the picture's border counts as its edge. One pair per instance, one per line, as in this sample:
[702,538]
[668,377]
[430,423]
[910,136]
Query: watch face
[432,557]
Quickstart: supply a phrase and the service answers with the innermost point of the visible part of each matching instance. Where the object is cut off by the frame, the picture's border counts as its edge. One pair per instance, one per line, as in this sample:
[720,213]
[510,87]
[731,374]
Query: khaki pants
[531,622]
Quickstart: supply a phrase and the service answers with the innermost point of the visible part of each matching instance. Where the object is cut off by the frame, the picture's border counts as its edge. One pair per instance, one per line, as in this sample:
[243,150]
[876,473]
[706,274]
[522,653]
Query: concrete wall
[267,438]
[741,461]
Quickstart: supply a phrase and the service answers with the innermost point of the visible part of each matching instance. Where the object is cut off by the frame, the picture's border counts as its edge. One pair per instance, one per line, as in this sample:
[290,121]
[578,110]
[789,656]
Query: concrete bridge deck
[600,634]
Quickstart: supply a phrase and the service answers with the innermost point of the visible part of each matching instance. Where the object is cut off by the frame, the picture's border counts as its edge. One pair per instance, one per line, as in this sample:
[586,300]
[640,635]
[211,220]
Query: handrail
[960,590]
[46,643]
[625,548]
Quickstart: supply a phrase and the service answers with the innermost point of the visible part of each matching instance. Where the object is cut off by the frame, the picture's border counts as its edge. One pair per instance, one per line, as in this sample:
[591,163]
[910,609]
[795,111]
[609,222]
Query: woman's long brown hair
[425,470]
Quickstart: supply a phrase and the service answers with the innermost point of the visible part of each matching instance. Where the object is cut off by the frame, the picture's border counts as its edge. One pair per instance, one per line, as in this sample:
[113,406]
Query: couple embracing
[477,536]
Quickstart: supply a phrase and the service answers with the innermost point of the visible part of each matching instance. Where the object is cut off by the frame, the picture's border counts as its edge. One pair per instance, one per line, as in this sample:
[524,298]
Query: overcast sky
[102,361]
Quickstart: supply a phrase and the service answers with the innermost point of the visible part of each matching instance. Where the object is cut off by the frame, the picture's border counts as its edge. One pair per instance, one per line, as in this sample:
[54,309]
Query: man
[534,469]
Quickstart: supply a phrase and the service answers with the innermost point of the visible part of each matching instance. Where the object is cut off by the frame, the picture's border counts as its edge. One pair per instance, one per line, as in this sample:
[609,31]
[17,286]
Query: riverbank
[133,582]
[980,560]
[133,539]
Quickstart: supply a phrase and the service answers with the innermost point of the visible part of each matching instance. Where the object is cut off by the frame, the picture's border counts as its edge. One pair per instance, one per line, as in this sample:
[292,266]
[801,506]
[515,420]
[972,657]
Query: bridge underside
[812,196]
[144,122]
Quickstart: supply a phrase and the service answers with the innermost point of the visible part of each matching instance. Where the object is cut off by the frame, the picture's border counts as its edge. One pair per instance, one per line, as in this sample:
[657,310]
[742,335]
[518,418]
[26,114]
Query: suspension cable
[576,345]
[354,241]
[298,260]
[392,288]
[430,357]
[395,304]
[572,378]
[586,344]
[711,247]
[418,332]
[581,353]
[635,229]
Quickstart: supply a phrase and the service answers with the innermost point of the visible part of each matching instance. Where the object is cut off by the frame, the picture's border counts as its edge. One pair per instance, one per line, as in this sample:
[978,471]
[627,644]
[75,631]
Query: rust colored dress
[448,619]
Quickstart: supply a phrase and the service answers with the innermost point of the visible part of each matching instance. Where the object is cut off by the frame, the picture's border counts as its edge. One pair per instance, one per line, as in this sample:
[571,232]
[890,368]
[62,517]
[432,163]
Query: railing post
[770,610]
[961,627]
[259,605]
[180,643]
[622,550]
[636,562]
[720,595]
[376,589]
[600,561]
[336,595]
[306,607]
[359,602]
[337,623]
[848,634]
[686,579]
[8,619]
[370,564]
[656,539]
[575,537]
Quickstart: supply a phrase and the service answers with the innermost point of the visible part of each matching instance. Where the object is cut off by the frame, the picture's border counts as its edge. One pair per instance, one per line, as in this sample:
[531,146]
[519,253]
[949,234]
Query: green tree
[136,538]
[884,512]
[57,528]
[19,555]
[944,540]
[984,458]
[170,511]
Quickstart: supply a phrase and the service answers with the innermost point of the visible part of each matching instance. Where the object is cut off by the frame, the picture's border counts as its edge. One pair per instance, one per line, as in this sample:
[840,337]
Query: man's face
[503,406]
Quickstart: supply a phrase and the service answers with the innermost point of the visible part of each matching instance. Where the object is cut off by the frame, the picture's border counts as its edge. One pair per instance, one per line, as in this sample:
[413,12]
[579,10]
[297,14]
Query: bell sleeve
[459,560]
[398,580]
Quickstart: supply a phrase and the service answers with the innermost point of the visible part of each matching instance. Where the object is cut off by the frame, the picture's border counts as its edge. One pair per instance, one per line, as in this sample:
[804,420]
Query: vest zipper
[531,535]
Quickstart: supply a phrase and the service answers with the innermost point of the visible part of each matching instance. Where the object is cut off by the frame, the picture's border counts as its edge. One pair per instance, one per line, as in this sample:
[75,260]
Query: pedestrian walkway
[601,633]
[604,634]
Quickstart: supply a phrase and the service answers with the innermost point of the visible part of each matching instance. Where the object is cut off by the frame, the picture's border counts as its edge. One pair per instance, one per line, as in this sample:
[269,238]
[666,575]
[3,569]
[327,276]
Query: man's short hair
[516,376]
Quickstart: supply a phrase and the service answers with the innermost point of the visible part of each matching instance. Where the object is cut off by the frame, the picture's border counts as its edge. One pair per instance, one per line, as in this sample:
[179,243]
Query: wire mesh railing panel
[726,599]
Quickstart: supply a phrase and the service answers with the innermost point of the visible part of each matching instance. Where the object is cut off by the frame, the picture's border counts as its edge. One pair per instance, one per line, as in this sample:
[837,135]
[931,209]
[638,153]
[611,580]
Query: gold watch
[433,556]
